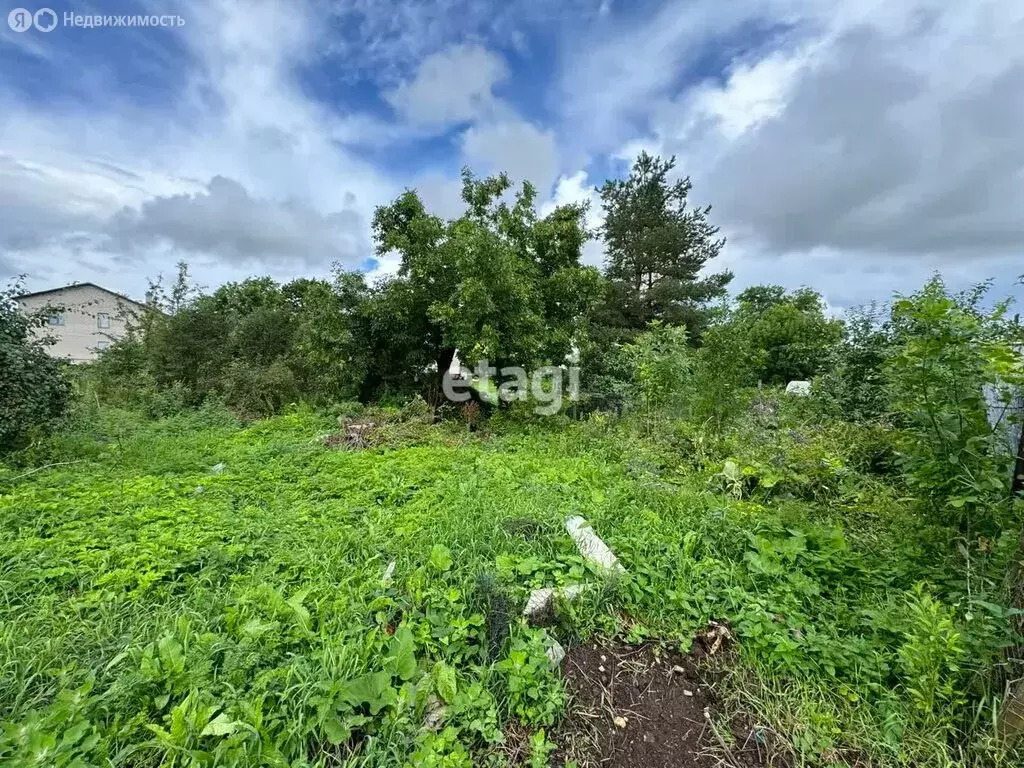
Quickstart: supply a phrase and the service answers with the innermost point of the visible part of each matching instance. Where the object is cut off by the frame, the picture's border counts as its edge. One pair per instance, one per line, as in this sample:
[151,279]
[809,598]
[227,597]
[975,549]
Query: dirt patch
[643,707]
[354,435]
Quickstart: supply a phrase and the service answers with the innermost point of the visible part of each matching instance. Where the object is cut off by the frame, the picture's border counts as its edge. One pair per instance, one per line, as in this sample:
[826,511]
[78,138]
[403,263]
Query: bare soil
[352,435]
[644,707]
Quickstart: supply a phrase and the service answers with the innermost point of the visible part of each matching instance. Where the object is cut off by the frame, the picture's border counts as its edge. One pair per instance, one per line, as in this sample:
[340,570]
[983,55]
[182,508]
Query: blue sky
[853,146]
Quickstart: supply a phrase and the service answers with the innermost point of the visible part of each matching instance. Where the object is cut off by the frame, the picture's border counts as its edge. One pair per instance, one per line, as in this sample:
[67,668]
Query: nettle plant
[662,363]
[949,354]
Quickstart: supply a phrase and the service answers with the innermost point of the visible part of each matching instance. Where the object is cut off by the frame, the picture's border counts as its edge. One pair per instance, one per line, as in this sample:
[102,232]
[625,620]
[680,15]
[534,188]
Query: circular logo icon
[20,20]
[45,20]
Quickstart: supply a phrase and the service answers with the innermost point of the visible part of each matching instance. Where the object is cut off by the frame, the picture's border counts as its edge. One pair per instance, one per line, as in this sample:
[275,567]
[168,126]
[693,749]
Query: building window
[56,319]
[101,345]
[102,320]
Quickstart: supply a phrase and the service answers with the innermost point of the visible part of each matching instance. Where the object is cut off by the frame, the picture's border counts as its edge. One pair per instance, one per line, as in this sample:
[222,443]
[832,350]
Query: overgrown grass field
[160,610]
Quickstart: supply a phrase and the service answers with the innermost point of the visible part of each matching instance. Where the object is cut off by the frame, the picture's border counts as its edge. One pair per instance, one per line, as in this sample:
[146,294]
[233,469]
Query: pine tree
[657,247]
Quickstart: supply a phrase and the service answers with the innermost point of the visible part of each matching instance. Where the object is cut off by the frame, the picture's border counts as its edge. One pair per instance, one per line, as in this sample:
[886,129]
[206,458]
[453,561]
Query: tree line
[499,282]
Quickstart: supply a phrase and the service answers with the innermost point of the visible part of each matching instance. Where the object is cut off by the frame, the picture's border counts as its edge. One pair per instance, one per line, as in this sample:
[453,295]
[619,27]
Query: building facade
[85,318]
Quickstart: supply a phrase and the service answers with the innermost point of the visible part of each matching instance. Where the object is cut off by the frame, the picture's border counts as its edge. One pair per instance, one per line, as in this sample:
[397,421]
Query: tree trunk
[443,360]
[369,387]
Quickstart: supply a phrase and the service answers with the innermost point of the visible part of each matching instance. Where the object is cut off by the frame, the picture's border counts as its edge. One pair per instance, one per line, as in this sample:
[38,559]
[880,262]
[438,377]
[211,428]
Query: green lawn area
[158,612]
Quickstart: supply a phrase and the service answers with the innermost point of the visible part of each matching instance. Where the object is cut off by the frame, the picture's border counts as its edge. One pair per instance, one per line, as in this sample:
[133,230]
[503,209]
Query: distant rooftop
[82,285]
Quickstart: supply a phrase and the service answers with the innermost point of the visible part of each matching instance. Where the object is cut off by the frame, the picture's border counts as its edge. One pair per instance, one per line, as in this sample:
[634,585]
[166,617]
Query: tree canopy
[497,283]
[500,282]
[657,248]
[790,330]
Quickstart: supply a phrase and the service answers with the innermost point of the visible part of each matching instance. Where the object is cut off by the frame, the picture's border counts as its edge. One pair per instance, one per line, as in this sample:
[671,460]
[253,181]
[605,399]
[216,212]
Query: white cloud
[871,143]
[578,189]
[295,198]
[442,195]
[450,86]
[612,77]
[754,91]
[858,142]
[383,40]
[456,86]
[878,148]
[515,146]
[224,220]
[386,266]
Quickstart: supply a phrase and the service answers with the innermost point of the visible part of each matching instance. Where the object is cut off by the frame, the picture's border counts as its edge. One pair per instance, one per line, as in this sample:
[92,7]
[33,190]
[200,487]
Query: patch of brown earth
[643,707]
[353,435]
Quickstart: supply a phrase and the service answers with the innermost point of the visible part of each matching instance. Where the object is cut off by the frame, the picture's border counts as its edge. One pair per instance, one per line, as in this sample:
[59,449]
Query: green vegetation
[158,611]
[221,558]
[34,393]
[791,330]
[656,246]
[500,282]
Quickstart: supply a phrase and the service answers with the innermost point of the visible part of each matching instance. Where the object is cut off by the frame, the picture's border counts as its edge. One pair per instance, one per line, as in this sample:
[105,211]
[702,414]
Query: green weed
[158,611]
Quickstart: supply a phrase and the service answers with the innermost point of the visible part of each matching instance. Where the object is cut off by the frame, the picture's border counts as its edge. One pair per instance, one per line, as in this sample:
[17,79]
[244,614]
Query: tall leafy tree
[498,282]
[326,352]
[953,361]
[791,331]
[657,246]
[396,338]
[853,384]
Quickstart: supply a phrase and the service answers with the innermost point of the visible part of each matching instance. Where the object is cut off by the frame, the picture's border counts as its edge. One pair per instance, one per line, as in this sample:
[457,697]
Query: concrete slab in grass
[541,601]
[591,546]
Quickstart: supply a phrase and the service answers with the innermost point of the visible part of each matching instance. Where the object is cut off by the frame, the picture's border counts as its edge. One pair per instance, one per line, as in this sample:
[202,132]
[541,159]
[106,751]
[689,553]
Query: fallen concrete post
[591,546]
[541,601]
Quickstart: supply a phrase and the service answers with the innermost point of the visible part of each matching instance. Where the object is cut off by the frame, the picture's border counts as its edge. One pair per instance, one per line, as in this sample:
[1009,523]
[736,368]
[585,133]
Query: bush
[853,388]
[948,354]
[725,367]
[662,365]
[791,330]
[257,390]
[34,390]
[256,344]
